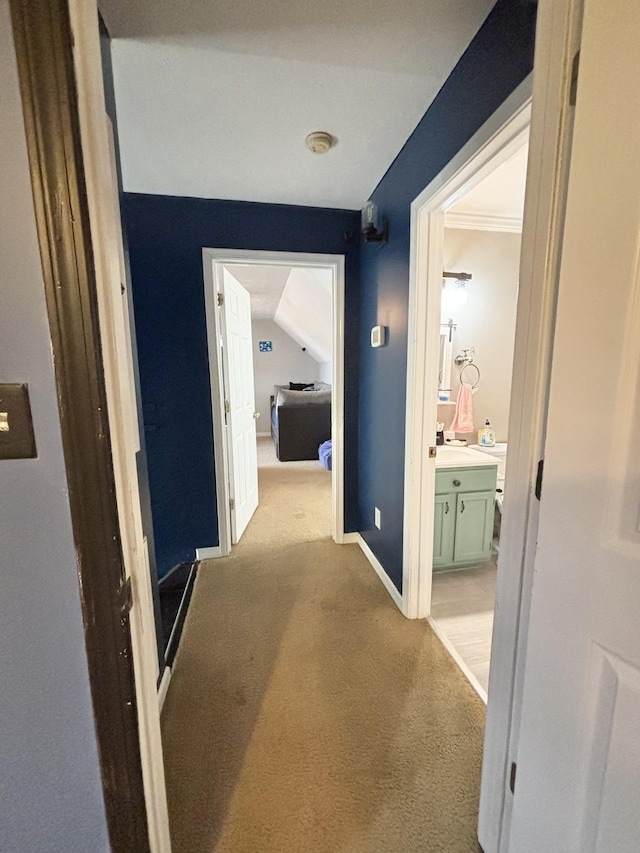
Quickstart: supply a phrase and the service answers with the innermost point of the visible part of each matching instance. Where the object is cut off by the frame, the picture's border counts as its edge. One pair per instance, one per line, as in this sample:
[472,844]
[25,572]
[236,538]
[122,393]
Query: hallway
[305,713]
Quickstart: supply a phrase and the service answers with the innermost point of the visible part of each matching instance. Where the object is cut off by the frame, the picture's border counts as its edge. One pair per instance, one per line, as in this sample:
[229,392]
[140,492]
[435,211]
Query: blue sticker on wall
[265,346]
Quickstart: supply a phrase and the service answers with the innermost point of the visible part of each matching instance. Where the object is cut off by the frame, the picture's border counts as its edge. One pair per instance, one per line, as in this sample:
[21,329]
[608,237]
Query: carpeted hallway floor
[305,713]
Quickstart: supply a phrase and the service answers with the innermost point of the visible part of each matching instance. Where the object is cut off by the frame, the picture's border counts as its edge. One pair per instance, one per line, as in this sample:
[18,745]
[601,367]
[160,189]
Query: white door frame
[557,40]
[498,139]
[214,261]
[106,233]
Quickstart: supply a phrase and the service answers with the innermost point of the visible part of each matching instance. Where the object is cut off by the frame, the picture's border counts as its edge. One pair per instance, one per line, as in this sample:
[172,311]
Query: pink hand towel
[463,418]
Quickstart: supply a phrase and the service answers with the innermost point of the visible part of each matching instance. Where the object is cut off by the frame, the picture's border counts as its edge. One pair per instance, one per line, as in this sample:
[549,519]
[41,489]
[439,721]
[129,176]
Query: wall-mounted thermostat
[377,336]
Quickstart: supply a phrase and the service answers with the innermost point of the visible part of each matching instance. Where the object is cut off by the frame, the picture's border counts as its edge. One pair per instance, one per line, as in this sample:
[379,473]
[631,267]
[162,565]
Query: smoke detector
[319,142]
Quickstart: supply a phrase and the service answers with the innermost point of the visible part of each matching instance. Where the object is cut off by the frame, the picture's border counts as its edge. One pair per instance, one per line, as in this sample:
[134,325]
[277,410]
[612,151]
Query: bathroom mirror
[446,360]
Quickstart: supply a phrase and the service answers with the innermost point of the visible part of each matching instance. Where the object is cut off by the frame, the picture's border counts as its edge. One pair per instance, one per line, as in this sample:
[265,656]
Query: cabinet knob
[456,482]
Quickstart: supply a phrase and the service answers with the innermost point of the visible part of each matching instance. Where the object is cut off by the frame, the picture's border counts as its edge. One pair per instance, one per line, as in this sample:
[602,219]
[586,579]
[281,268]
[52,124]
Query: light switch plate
[17,440]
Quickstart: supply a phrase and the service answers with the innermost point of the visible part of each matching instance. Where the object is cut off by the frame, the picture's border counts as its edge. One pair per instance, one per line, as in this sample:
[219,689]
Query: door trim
[213,262]
[557,39]
[496,141]
[44,50]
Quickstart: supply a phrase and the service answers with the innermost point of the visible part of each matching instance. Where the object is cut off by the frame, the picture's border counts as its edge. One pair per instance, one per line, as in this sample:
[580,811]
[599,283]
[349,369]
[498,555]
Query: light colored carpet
[305,713]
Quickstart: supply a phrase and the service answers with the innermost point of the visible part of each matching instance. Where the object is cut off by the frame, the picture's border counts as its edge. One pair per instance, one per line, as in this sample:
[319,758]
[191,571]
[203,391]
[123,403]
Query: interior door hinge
[539,478]
[125,596]
[232,503]
[573,86]
[220,299]
[512,777]
[227,407]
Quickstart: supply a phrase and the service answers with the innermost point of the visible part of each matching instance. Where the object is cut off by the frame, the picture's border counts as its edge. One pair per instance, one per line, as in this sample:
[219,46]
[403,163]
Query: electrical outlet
[376,518]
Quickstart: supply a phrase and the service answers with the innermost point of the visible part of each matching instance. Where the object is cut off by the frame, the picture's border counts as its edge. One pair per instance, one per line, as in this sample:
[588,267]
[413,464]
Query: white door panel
[578,763]
[238,379]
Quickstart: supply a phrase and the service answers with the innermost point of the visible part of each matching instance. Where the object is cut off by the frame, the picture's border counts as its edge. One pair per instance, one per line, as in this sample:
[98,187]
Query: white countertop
[462,457]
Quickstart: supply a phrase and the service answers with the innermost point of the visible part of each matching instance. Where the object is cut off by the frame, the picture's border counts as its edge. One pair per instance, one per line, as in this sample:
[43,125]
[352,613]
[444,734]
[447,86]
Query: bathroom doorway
[481,254]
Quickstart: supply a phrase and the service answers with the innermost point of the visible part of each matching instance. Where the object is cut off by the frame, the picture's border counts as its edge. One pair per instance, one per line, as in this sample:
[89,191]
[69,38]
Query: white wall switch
[377,336]
[376,517]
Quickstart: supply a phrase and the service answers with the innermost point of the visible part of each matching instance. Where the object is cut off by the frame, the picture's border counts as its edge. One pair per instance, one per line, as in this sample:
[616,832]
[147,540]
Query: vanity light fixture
[460,293]
[372,231]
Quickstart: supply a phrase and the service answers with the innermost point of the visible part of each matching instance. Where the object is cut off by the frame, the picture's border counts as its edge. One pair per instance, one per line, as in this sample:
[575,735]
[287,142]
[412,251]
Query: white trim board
[455,654]
[208,553]
[164,687]
[498,139]
[214,260]
[379,570]
[483,222]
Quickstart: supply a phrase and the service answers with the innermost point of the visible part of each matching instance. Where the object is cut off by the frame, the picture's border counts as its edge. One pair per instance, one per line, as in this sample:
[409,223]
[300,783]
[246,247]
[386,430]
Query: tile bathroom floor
[462,608]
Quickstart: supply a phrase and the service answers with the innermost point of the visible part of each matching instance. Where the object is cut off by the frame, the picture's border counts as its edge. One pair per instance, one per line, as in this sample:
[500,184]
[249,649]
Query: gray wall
[50,788]
[286,363]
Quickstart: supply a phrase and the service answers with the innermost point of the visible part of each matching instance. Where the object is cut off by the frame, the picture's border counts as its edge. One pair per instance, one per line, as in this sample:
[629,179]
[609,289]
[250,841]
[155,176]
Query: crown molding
[483,222]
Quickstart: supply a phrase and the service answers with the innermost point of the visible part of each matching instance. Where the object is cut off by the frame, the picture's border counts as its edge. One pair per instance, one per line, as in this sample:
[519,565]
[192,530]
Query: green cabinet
[464,510]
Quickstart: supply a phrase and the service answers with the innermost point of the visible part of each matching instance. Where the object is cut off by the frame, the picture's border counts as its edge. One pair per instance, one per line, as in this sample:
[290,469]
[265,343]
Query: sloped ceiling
[304,312]
[265,285]
[298,299]
[216,97]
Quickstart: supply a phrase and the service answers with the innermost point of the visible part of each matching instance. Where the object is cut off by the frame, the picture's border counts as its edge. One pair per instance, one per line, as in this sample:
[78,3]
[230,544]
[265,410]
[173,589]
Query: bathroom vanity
[464,507]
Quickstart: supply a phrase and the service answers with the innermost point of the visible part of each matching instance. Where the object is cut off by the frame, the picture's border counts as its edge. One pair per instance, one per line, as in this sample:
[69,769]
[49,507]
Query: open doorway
[294,355]
[482,239]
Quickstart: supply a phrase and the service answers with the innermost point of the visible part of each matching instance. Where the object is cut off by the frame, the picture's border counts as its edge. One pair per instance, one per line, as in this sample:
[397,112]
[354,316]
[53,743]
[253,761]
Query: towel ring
[474,385]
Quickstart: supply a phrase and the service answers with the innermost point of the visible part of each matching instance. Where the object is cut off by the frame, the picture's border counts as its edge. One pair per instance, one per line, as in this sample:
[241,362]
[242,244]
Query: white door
[240,397]
[577,785]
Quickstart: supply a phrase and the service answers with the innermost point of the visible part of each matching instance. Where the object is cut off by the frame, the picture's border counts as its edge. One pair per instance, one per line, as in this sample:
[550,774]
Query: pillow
[302,398]
[322,386]
[299,386]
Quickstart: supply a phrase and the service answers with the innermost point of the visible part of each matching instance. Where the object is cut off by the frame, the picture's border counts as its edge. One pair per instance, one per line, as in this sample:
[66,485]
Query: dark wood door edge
[43,41]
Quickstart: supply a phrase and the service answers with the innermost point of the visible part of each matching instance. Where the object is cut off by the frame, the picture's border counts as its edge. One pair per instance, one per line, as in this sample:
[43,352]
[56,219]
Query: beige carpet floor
[305,713]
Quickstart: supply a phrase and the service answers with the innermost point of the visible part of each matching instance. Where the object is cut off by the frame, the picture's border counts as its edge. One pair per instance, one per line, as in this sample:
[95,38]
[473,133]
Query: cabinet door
[474,527]
[444,529]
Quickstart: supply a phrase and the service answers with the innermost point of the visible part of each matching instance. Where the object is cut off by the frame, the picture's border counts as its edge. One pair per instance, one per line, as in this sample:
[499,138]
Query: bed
[300,422]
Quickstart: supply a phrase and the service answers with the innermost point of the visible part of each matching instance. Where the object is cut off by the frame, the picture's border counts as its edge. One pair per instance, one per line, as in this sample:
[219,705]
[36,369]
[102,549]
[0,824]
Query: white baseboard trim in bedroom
[263,434]
[350,538]
[208,553]
[164,686]
[482,693]
[379,570]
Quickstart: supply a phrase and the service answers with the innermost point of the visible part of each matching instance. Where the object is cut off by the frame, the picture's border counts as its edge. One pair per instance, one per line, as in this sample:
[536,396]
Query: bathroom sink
[455,457]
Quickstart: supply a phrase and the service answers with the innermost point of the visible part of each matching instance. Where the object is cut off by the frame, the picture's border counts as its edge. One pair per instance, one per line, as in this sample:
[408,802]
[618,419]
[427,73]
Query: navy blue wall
[166,236]
[496,62]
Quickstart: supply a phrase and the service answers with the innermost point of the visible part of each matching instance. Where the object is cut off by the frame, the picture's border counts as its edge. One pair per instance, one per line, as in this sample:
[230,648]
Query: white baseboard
[482,693]
[164,686]
[350,538]
[208,553]
[263,434]
[384,577]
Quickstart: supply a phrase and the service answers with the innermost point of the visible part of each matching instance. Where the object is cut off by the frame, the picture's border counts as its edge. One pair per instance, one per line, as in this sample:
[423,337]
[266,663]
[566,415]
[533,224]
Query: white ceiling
[501,193]
[216,97]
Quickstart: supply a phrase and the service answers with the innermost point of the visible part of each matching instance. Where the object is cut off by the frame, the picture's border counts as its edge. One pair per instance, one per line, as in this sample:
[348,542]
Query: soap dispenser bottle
[487,435]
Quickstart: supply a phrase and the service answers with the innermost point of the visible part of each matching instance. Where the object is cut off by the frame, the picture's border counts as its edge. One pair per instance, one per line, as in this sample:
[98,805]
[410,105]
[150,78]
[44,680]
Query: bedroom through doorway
[291,353]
